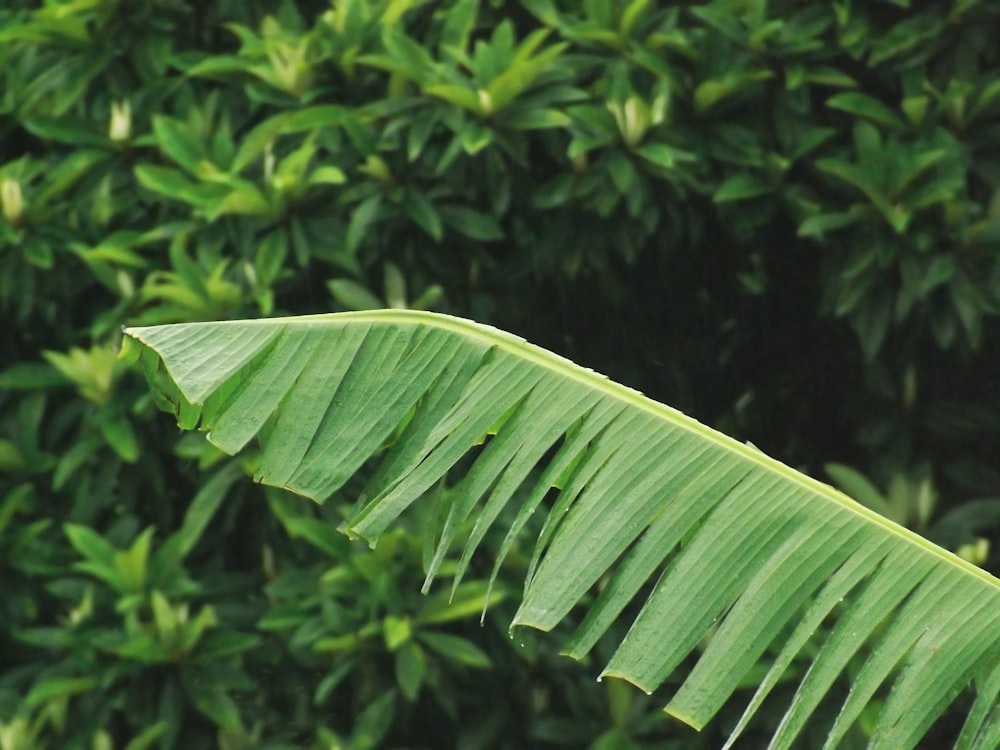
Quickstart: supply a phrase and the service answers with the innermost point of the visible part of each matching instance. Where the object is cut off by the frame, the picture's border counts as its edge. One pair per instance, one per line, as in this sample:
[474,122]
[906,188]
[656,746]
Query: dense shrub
[783,218]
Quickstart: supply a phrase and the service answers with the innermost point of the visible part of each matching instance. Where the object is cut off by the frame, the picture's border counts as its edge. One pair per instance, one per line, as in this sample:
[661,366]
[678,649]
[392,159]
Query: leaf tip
[680,716]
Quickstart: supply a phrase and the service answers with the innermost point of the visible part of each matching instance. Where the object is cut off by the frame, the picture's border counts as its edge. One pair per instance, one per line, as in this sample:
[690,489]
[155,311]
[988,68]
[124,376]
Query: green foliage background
[782,218]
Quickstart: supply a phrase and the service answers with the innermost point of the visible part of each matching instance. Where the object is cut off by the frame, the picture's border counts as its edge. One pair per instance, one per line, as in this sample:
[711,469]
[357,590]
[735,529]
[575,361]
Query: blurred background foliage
[782,218]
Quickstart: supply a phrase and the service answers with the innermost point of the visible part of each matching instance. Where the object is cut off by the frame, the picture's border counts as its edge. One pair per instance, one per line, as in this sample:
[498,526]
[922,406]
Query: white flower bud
[659,109]
[636,120]
[120,127]
[269,161]
[485,101]
[11,200]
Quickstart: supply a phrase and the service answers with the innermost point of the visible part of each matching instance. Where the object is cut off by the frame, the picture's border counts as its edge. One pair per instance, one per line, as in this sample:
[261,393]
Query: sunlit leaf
[723,548]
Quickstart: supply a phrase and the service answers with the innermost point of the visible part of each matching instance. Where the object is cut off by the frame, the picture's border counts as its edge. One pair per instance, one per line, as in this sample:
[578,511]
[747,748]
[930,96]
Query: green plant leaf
[120,435]
[739,547]
[327,175]
[174,185]
[25,376]
[458,650]
[362,218]
[216,645]
[353,295]
[740,187]
[472,223]
[373,723]
[90,544]
[203,507]
[396,631]
[58,687]
[857,485]
[863,105]
[244,200]
[11,457]
[270,257]
[465,599]
[905,36]
[711,92]
[319,534]
[148,736]
[870,182]
[662,155]
[212,700]
[535,119]
[179,142]
[411,666]
[818,226]
[66,130]
[419,208]
[66,173]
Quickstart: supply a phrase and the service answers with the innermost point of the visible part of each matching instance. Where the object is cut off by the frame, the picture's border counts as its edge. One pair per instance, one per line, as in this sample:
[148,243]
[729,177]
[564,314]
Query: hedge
[783,218]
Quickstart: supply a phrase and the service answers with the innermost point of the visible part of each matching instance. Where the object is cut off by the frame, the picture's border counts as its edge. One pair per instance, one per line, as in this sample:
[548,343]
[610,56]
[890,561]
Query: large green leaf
[729,555]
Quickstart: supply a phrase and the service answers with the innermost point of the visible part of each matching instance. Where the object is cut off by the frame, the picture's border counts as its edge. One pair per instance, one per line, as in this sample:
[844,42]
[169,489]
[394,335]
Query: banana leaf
[727,555]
